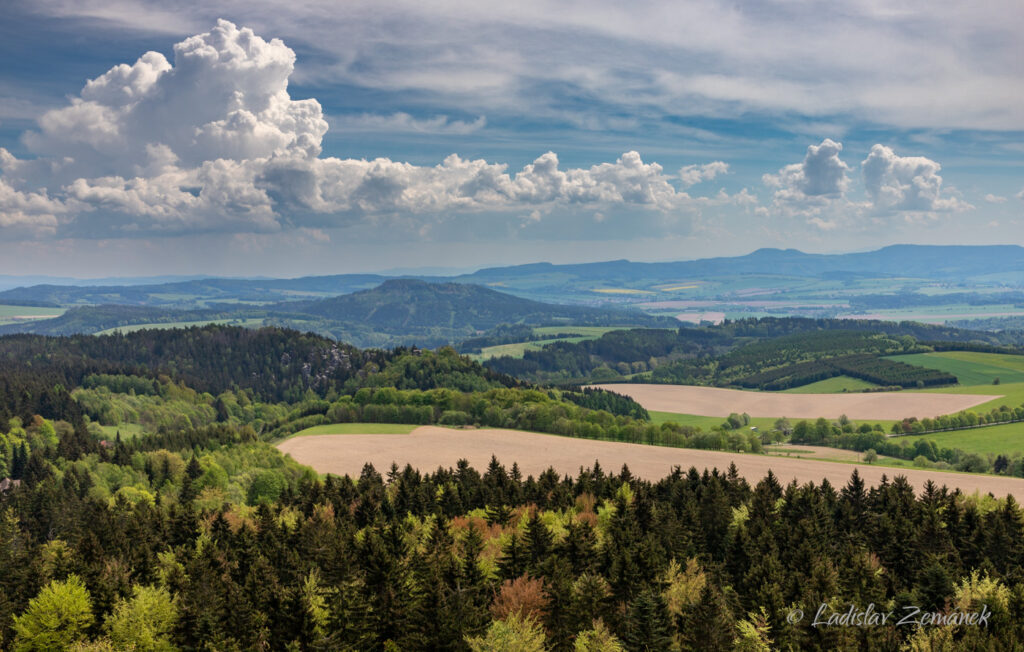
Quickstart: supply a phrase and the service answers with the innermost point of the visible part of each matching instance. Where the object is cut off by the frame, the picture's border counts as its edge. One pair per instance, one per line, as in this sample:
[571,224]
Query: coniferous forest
[143,508]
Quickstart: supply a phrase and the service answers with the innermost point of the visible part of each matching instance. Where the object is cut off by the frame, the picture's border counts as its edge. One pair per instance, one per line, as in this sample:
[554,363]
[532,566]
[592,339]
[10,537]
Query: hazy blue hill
[399,311]
[194,292]
[924,261]
[93,319]
[408,304]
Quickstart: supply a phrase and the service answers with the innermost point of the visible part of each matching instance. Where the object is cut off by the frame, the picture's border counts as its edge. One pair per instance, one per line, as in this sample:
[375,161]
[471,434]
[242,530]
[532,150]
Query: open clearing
[10,314]
[971,368]
[1006,439]
[430,447]
[715,401]
[1012,394]
[518,349]
[832,386]
[358,429]
[131,328]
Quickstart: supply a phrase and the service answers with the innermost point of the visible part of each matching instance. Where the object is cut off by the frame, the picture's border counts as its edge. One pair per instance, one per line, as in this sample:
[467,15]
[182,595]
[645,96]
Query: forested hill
[401,312]
[273,363]
[191,292]
[737,352]
[93,319]
[408,305]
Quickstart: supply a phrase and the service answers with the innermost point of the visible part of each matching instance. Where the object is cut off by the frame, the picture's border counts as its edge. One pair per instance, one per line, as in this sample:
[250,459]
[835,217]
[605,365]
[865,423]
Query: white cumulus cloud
[214,142]
[905,183]
[691,175]
[225,97]
[819,178]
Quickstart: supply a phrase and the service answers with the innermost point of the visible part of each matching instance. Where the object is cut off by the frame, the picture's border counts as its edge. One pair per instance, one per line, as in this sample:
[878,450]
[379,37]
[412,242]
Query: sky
[318,137]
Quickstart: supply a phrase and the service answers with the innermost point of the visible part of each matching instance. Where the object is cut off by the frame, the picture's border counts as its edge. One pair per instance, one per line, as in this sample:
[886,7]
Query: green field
[971,368]
[127,430]
[248,323]
[703,422]
[517,349]
[358,429]
[1006,439]
[585,331]
[832,386]
[9,314]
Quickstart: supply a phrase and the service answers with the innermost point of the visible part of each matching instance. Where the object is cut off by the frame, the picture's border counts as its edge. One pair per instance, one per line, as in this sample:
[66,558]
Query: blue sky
[321,137]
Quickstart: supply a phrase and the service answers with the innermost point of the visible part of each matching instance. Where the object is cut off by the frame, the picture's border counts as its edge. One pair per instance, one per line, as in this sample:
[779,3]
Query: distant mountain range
[998,264]
[897,282]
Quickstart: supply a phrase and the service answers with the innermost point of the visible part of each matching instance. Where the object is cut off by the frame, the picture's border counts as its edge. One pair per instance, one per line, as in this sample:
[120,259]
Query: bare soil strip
[718,402]
[430,447]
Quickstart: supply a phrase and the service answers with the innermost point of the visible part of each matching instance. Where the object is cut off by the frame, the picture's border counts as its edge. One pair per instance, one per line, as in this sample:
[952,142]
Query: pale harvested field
[430,447]
[718,402]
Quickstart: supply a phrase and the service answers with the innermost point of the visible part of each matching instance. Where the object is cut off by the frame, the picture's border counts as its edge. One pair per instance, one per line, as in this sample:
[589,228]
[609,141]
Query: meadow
[10,314]
[1001,439]
[358,429]
[248,323]
[971,368]
[839,384]
[704,422]
[517,349]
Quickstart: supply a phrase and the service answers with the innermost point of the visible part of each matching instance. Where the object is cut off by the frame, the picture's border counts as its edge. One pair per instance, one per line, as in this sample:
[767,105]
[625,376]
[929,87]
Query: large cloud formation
[905,183]
[894,185]
[821,176]
[214,142]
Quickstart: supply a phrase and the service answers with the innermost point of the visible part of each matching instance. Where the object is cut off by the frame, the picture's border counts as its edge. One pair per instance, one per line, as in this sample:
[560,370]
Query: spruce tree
[648,626]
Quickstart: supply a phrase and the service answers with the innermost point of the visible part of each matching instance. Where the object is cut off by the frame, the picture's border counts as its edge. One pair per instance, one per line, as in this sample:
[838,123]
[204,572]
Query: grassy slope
[8,313]
[517,349]
[832,386]
[703,422]
[249,323]
[127,430]
[971,368]
[358,429]
[587,331]
[1007,438]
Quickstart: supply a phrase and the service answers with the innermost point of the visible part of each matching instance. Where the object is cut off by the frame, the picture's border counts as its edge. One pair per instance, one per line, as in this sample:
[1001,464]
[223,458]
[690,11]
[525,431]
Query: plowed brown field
[430,447]
[717,402]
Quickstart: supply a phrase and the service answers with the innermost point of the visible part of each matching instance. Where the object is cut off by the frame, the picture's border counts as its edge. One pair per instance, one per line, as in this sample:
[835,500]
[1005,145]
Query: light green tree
[754,633]
[56,619]
[144,622]
[598,639]
[513,634]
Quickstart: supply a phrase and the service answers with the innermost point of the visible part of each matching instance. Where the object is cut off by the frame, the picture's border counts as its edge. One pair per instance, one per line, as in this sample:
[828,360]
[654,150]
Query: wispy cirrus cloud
[405,123]
[939,65]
